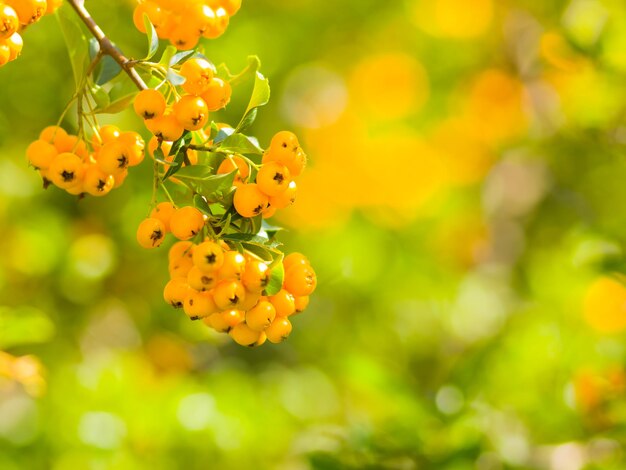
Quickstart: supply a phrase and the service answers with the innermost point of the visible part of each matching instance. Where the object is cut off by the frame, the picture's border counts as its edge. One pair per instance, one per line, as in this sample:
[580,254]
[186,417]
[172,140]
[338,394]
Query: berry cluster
[223,287]
[274,187]
[15,15]
[80,167]
[204,93]
[184,22]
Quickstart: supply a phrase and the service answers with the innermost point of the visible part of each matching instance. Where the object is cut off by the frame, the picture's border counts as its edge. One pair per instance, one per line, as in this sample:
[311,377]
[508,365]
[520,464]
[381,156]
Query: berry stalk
[106,46]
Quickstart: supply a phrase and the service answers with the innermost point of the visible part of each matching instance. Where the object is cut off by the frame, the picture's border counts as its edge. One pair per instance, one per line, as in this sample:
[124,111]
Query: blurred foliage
[462,210]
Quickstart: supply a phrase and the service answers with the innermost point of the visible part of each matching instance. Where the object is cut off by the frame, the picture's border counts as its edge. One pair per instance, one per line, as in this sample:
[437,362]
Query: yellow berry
[150,233]
[186,222]
[279,330]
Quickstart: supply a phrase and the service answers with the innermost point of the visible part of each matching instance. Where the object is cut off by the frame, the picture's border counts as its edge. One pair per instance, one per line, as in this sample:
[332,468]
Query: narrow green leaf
[246,237]
[75,40]
[195,172]
[109,69]
[258,250]
[100,96]
[153,38]
[117,106]
[239,143]
[201,203]
[168,53]
[174,77]
[175,165]
[180,57]
[277,275]
[211,186]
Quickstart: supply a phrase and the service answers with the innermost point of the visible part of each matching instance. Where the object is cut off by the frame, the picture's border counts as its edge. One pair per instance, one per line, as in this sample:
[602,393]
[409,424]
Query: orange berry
[154,12]
[286,198]
[153,144]
[166,127]
[66,170]
[300,280]
[279,330]
[175,292]
[96,182]
[273,178]
[301,303]
[179,269]
[40,154]
[251,299]
[180,250]
[108,133]
[199,305]
[9,22]
[183,37]
[243,335]
[198,74]
[269,212]
[200,280]
[232,318]
[229,294]
[136,146]
[217,94]
[208,257]
[164,211]
[15,43]
[28,11]
[53,5]
[261,316]
[249,201]
[284,302]
[186,222]
[231,6]
[293,259]
[149,104]
[53,134]
[233,163]
[233,265]
[256,276]
[191,112]
[120,178]
[150,233]
[113,158]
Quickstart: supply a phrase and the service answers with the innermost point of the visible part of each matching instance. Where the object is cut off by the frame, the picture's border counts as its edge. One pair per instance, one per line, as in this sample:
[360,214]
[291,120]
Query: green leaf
[100,96]
[260,95]
[201,203]
[214,186]
[108,71]
[270,229]
[239,143]
[24,325]
[75,40]
[259,250]
[277,275]
[168,53]
[194,172]
[175,165]
[180,57]
[246,237]
[117,106]
[153,37]
[174,77]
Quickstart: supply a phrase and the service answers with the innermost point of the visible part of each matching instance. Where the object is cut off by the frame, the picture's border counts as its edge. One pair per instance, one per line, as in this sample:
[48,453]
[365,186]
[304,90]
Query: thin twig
[106,46]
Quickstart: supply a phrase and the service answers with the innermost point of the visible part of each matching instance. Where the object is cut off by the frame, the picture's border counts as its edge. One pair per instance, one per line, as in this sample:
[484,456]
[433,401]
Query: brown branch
[106,46]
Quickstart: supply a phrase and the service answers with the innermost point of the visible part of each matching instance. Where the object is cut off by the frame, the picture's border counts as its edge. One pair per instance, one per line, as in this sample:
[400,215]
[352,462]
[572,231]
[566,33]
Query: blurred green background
[463,208]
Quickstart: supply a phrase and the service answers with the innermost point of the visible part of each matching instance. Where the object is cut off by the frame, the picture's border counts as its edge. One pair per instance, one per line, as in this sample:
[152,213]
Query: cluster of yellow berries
[274,187]
[184,22]
[15,15]
[224,288]
[79,167]
[204,93]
